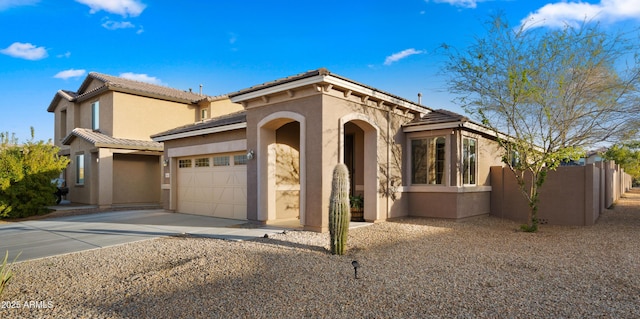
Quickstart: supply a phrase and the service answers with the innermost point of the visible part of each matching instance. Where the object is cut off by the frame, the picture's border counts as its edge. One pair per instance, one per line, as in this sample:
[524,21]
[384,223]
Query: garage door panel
[224,210]
[218,191]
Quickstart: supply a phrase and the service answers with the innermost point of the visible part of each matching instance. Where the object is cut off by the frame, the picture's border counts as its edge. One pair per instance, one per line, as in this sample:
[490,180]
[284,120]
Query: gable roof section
[101,140]
[61,94]
[223,123]
[324,76]
[443,119]
[442,116]
[118,84]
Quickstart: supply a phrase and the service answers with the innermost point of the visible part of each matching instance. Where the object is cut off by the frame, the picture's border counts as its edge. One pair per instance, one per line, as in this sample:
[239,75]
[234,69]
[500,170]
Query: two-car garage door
[213,185]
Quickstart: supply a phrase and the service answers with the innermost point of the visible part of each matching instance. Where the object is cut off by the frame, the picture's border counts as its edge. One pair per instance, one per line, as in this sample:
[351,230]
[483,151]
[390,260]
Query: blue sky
[47,45]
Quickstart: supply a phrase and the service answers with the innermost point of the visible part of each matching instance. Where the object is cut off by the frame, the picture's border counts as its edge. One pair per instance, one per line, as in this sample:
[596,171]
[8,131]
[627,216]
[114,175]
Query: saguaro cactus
[339,210]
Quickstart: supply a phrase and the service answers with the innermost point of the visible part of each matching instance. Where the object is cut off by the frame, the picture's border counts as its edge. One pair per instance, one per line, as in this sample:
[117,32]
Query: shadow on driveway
[49,237]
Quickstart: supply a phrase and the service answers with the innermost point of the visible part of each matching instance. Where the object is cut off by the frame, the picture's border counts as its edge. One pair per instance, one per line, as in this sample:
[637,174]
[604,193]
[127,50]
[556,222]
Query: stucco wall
[570,196]
[136,179]
[222,107]
[307,105]
[323,111]
[61,131]
[288,170]
[80,193]
[136,117]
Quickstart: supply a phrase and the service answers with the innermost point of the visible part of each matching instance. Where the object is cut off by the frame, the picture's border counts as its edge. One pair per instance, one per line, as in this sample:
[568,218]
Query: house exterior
[266,154]
[104,128]
[273,159]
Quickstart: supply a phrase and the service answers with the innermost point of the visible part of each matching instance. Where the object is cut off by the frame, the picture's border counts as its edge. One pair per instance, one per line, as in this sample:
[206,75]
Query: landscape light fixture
[355,267]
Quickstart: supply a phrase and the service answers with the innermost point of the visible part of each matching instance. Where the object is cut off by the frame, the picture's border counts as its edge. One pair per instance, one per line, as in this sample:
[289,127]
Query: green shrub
[26,172]
[5,272]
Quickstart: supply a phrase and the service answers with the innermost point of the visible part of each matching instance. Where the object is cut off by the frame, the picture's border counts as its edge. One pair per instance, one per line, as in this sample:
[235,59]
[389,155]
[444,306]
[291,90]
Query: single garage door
[213,185]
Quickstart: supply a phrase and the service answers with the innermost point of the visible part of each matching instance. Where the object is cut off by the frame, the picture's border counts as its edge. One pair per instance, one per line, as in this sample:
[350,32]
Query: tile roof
[441,116]
[229,119]
[114,82]
[101,140]
[325,73]
[69,95]
[303,75]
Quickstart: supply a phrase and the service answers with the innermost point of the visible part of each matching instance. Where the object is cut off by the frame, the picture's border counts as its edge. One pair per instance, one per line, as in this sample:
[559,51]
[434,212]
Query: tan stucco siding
[381,151]
[309,108]
[288,171]
[83,113]
[62,129]
[80,193]
[453,205]
[136,117]
[136,179]
[222,107]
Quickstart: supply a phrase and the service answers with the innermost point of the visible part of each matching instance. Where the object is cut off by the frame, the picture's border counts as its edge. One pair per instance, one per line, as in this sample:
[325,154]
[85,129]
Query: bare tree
[547,93]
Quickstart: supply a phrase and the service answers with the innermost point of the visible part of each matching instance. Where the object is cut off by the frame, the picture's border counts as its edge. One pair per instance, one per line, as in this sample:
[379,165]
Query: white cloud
[232,38]
[142,78]
[65,55]
[7,4]
[459,3]
[571,13]
[26,51]
[132,8]
[71,73]
[113,25]
[401,55]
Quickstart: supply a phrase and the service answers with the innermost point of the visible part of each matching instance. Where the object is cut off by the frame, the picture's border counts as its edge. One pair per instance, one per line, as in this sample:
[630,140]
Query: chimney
[200,89]
[419,98]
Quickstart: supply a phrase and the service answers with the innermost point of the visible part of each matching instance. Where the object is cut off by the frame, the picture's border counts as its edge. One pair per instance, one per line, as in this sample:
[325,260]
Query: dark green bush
[26,171]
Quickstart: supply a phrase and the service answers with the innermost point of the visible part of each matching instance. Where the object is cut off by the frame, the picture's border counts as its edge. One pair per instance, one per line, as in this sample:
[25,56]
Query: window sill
[444,189]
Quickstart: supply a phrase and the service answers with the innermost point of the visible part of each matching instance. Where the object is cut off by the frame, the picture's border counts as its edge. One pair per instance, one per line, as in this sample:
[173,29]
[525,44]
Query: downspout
[459,159]
[388,161]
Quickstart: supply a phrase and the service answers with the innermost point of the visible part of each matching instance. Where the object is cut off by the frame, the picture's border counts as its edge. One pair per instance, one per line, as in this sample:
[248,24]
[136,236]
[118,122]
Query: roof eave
[129,147]
[199,132]
[56,100]
[92,94]
[419,127]
[271,89]
[320,77]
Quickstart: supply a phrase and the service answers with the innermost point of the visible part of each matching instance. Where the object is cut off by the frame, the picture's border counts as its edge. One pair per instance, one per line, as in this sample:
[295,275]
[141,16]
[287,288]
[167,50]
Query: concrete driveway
[55,236]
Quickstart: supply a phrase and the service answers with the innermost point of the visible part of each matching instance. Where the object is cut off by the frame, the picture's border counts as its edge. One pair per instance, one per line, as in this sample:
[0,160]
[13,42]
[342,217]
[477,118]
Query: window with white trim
[469,160]
[95,115]
[79,169]
[428,160]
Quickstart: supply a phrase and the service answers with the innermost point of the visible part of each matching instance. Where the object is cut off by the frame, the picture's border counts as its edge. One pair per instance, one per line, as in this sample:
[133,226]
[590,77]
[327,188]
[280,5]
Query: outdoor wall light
[165,162]
[250,155]
[355,267]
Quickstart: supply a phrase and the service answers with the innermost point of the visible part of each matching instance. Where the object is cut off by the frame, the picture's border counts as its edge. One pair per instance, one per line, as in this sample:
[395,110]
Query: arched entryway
[359,151]
[281,167]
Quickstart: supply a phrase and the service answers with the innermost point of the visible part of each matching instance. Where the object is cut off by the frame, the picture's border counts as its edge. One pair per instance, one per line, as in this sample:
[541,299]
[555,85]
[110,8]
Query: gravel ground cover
[410,268]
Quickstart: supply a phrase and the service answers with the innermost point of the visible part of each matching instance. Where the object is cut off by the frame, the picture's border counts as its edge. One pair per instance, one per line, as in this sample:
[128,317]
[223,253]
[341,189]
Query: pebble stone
[409,268]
